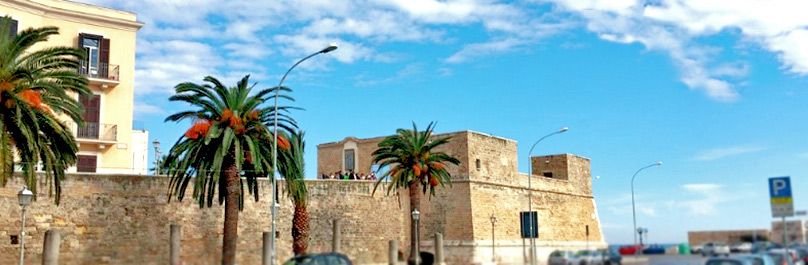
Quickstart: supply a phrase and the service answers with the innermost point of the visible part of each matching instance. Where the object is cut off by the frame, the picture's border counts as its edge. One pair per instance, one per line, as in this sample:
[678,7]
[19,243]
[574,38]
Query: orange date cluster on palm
[31,97]
[422,171]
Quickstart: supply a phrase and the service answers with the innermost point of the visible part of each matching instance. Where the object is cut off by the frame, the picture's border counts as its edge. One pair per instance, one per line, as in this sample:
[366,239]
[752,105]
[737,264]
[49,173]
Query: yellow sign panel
[782,200]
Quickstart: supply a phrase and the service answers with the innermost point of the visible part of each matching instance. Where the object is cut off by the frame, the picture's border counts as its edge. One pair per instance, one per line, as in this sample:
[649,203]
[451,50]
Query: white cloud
[704,198]
[164,64]
[408,73]
[483,49]
[671,26]
[144,109]
[718,153]
[362,27]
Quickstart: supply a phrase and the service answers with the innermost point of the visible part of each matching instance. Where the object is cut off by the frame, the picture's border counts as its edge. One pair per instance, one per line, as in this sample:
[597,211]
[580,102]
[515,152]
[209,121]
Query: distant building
[106,139]
[796,230]
[728,236]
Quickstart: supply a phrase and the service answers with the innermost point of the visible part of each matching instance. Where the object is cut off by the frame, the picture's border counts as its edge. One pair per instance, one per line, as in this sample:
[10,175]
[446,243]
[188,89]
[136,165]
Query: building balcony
[97,133]
[105,75]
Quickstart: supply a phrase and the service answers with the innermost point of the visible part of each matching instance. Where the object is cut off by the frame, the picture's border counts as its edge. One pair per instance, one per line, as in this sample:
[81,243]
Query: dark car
[728,261]
[319,259]
[611,257]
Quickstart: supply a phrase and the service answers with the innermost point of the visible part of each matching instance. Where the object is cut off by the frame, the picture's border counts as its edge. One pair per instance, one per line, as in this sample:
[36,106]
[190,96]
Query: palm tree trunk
[300,229]
[230,237]
[415,203]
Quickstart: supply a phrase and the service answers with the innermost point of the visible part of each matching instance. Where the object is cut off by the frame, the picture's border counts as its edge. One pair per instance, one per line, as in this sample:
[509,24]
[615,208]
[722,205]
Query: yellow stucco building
[107,141]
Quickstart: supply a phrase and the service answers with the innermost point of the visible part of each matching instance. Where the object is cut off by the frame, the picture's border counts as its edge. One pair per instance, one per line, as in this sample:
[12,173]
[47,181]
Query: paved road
[665,260]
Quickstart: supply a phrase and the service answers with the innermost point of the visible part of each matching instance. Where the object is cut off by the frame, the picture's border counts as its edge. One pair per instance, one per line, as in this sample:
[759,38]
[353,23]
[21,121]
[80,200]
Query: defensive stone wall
[124,219]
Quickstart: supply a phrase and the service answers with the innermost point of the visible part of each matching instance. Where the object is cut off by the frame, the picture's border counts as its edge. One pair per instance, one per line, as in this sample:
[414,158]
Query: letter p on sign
[780,187]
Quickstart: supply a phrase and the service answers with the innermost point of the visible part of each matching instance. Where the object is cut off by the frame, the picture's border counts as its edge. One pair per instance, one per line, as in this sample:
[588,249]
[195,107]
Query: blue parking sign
[782,202]
[780,187]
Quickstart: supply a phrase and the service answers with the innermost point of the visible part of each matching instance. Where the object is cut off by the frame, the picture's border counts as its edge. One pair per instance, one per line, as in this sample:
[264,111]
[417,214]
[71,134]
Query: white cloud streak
[718,153]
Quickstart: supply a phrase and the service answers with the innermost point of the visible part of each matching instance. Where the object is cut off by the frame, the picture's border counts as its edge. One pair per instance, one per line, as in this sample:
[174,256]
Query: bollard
[336,238]
[265,252]
[176,234]
[439,249]
[50,250]
[392,253]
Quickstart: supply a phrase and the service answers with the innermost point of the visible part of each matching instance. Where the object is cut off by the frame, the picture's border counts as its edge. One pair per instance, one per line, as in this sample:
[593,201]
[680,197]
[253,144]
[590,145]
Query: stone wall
[105,219]
[330,155]
[462,212]
[116,219]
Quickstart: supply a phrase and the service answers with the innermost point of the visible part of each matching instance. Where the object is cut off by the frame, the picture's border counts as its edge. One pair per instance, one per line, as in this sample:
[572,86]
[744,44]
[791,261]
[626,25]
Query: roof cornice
[74,15]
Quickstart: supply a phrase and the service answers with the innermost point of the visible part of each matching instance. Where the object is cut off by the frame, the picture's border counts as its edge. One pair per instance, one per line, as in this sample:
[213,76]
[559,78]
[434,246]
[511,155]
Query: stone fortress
[125,219]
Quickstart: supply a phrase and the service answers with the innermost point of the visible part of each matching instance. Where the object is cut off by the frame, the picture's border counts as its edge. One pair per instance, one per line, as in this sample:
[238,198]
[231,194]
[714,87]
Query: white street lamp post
[274,205]
[633,211]
[530,196]
[24,196]
[416,258]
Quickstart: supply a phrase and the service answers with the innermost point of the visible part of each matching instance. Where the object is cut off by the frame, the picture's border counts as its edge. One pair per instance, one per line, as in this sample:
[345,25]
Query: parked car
[561,257]
[628,250]
[741,247]
[319,259]
[802,253]
[585,257]
[714,249]
[654,249]
[611,257]
[728,261]
[759,259]
[778,254]
[763,246]
[696,249]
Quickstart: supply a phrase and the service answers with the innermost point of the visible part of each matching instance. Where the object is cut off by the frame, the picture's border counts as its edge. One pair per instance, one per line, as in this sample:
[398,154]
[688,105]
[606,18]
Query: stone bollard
[337,236]
[439,249]
[266,249]
[176,235]
[50,250]
[392,253]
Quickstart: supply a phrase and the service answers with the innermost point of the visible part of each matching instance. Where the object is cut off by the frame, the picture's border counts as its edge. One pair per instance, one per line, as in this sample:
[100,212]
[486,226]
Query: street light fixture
[24,196]
[327,49]
[633,211]
[416,254]
[157,154]
[493,238]
[530,195]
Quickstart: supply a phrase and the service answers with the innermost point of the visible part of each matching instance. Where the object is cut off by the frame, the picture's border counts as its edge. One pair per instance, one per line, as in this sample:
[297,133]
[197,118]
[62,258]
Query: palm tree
[229,140]
[35,89]
[414,165]
[291,166]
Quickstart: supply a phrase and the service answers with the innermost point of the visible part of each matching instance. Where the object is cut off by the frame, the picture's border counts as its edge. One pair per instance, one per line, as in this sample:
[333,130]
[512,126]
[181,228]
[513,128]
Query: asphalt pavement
[665,260]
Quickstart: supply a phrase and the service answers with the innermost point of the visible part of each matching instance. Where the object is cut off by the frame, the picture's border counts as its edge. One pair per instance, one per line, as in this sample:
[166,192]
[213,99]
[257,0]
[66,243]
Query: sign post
[782,204]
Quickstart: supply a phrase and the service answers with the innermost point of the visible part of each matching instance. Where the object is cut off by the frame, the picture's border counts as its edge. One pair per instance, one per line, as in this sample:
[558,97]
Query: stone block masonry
[124,219]
[114,219]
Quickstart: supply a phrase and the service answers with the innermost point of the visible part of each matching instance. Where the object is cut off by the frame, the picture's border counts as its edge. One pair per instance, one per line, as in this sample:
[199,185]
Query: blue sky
[714,90]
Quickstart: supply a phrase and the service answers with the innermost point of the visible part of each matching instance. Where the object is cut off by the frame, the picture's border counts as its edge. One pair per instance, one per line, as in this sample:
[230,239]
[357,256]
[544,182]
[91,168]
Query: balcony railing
[103,71]
[98,131]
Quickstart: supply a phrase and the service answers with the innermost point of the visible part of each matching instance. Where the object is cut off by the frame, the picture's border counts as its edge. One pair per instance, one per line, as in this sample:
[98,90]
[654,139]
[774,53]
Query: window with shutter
[97,62]
[87,163]
[11,24]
